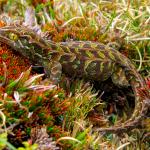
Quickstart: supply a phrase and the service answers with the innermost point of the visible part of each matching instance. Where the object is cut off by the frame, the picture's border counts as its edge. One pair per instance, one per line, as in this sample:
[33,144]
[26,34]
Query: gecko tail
[129,125]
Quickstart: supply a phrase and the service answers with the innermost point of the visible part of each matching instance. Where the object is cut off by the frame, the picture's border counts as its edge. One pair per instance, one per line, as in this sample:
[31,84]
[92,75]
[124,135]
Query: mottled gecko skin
[88,60]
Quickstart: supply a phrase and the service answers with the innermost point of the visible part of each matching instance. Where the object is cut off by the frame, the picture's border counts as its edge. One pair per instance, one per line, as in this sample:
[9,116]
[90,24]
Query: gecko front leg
[53,70]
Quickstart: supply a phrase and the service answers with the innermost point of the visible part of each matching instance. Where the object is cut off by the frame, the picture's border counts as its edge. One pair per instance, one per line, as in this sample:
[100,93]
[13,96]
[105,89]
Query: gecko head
[17,37]
[8,35]
[24,41]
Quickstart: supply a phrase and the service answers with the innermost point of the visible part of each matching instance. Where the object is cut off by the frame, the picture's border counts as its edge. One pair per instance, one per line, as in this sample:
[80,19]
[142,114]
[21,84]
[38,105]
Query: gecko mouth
[6,41]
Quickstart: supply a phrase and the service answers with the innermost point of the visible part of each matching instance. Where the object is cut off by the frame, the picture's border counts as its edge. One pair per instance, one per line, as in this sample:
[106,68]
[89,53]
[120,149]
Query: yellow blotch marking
[93,45]
[89,54]
[75,66]
[59,48]
[78,62]
[110,65]
[101,66]
[81,45]
[68,50]
[111,55]
[72,58]
[115,77]
[87,64]
[101,54]
[77,50]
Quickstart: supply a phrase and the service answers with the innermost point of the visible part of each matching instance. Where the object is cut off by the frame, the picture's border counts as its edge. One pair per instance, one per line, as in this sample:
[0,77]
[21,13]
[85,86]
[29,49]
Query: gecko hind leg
[53,71]
[119,77]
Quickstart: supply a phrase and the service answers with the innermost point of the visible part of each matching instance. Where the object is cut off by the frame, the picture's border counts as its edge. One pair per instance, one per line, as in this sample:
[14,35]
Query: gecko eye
[13,36]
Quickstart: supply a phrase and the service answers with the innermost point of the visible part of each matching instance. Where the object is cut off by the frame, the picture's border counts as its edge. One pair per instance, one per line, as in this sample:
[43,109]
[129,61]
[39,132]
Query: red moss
[75,33]
[15,64]
[2,23]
